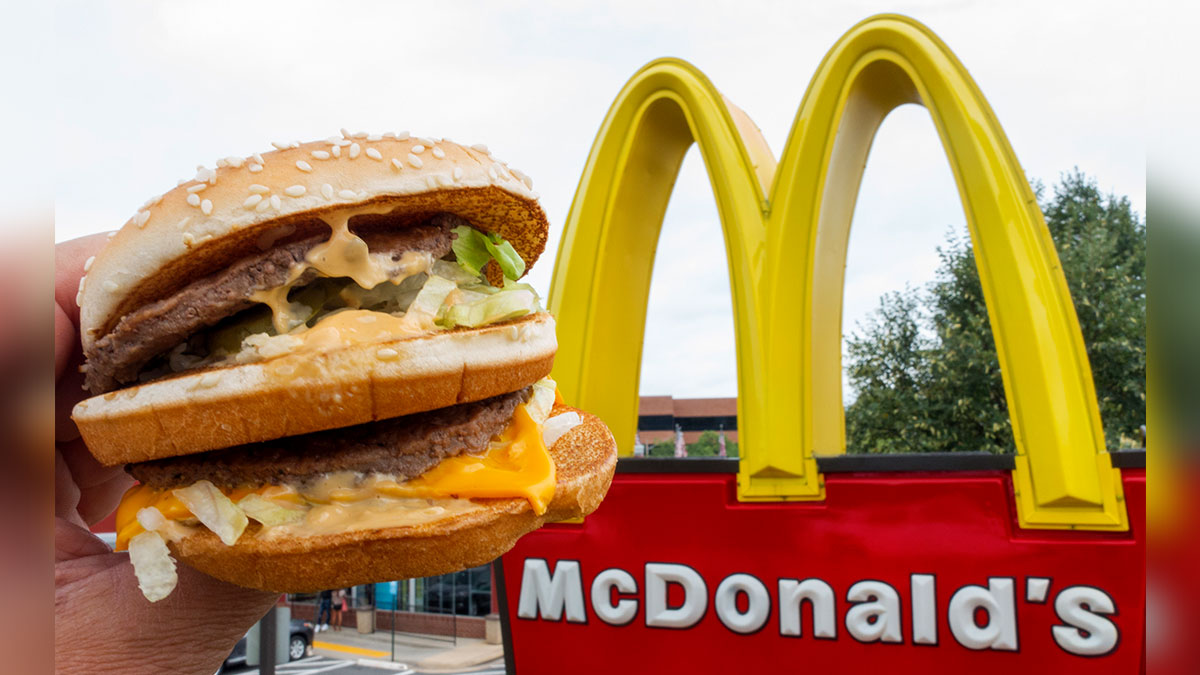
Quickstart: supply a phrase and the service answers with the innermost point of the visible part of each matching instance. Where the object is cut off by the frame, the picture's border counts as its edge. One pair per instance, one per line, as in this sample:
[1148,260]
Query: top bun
[206,223]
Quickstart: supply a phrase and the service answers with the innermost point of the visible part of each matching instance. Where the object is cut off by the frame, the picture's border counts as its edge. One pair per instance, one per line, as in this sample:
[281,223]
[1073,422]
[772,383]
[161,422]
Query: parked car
[300,638]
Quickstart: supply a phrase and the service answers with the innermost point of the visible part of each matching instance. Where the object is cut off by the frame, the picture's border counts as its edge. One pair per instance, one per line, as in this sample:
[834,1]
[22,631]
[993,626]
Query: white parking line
[318,665]
[307,666]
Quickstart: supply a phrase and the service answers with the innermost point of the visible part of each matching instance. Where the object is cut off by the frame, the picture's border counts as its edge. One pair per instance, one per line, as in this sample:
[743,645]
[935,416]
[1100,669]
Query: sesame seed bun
[235,405]
[584,458]
[203,224]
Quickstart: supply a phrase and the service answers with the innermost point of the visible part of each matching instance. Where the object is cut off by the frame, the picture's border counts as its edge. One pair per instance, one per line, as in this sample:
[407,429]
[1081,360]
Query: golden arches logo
[787,314]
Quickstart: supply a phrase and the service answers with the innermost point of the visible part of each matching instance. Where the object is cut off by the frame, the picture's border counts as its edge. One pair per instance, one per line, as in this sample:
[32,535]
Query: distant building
[658,415]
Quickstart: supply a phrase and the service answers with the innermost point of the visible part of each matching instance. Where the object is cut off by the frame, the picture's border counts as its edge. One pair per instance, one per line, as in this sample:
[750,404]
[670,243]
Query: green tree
[944,392]
[661,449]
[705,446]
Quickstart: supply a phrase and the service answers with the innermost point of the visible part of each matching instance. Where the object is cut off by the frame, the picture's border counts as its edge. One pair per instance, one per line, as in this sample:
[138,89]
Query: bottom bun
[584,459]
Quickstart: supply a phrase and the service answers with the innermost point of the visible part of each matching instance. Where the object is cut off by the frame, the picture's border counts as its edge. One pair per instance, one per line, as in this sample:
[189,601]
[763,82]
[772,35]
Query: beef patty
[116,359]
[404,446]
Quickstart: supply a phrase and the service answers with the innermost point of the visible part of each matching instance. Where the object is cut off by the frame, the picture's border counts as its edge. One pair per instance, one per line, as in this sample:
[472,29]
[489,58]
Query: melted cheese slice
[517,465]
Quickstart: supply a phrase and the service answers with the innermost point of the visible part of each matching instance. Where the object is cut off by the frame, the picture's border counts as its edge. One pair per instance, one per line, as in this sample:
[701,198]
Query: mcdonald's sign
[796,555]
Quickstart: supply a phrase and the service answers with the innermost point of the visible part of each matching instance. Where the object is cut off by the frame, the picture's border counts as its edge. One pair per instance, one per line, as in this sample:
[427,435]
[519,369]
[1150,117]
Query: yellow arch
[786,256]
[602,274]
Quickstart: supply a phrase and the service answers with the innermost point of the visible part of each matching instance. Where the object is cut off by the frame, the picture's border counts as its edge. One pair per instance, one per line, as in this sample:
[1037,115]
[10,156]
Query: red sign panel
[917,571]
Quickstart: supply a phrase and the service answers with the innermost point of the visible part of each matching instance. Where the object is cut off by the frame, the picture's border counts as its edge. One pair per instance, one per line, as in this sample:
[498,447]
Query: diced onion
[556,427]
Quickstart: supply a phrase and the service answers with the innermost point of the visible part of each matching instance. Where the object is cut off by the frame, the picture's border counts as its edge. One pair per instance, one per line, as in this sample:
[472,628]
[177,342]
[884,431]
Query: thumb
[103,623]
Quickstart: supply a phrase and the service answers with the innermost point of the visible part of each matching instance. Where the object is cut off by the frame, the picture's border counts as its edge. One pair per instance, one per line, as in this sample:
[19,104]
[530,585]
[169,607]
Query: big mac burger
[322,368]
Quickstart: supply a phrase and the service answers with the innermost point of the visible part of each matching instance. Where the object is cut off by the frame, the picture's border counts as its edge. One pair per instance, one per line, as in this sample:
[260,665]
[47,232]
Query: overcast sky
[145,91]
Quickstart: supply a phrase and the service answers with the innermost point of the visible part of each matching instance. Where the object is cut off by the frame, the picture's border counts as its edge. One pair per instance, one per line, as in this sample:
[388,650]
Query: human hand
[102,622]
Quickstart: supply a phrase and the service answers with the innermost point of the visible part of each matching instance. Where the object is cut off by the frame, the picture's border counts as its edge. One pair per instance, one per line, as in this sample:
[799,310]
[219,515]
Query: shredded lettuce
[541,400]
[429,300]
[474,249]
[500,306]
[269,512]
[153,565]
[212,508]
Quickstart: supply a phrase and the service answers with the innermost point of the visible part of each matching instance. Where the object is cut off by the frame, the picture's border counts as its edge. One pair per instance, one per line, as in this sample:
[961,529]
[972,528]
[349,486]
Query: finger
[64,340]
[101,615]
[67,392]
[100,487]
[66,492]
[70,258]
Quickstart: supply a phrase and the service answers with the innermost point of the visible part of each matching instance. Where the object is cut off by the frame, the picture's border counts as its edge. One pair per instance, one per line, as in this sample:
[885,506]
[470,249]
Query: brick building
[658,415]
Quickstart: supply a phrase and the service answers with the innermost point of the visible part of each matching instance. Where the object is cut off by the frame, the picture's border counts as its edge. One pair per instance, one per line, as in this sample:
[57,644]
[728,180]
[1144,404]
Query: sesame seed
[354,150]
[206,206]
[387,354]
[252,201]
[259,189]
[294,144]
[492,174]
[257,158]
[480,147]
[375,137]
[346,194]
[188,239]
[208,380]
[197,187]
[153,201]
[327,191]
[402,136]
[140,218]
[431,181]
[345,134]
[336,150]
[276,202]
[82,282]
[110,285]
[417,149]
[255,168]
[279,145]
[524,178]
[193,199]
[397,163]
[303,166]
[444,179]
[235,162]
[425,141]
[360,134]
[263,206]
[333,139]
[342,142]
[458,173]
[87,264]
[415,161]
[320,154]
[439,153]
[374,154]
[221,163]
[295,191]
[501,171]
[389,134]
